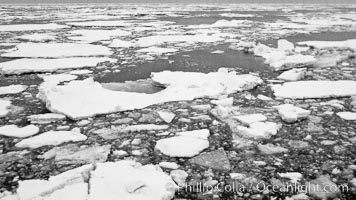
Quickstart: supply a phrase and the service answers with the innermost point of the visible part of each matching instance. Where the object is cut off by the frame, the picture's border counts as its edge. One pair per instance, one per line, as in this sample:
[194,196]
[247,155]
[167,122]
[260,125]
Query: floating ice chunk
[130,180]
[315,89]
[249,119]
[285,45]
[140,127]
[157,50]
[31,27]
[37,37]
[45,118]
[291,114]
[293,75]
[81,99]
[21,66]
[70,181]
[89,36]
[161,39]
[169,165]
[263,97]
[58,78]
[271,149]
[184,144]
[294,177]
[217,52]
[51,138]
[55,50]
[80,72]
[15,131]
[330,44]
[224,102]
[100,23]
[237,15]
[258,130]
[292,61]
[4,107]
[117,43]
[347,115]
[224,23]
[12,89]
[166,116]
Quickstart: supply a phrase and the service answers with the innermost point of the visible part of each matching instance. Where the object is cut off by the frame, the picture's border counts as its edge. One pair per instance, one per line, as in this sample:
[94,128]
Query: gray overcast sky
[178,1]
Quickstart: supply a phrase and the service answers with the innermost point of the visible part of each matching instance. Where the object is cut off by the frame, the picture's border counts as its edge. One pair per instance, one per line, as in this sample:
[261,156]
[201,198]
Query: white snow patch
[21,132]
[347,115]
[315,89]
[12,89]
[81,99]
[56,50]
[51,138]
[31,27]
[293,75]
[184,144]
[21,66]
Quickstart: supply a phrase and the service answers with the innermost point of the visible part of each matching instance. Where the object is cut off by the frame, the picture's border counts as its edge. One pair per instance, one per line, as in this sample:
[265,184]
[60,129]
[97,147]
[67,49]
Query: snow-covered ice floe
[330,44]
[51,138]
[31,27]
[45,118]
[290,113]
[21,132]
[4,107]
[315,89]
[12,89]
[89,36]
[25,65]
[157,50]
[86,98]
[184,144]
[347,115]
[125,179]
[56,50]
[37,37]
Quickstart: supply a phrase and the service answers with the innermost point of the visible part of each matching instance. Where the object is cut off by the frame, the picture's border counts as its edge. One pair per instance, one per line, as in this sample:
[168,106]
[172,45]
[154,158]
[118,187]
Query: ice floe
[184,144]
[294,177]
[347,115]
[291,114]
[258,130]
[31,27]
[157,50]
[315,89]
[57,50]
[293,74]
[80,99]
[12,89]
[20,132]
[37,37]
[166,116]
[251,118]
[189,39]
[4,107]
[21,66]
[330,44]
[89,36]
[51,138]
[117,43]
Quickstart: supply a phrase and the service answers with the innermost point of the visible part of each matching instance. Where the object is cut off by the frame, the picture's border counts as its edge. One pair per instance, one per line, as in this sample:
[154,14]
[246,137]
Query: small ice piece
[117,43]
[293,75]
[169,165]
[37,37]
[80,72]
[89,36]
[263,97]
[179,176]
[57,50]
[55,79]
[184,144]
[294,177]
[51,138]
[25,65]
[224,102]
[140,127]
[130,180]
[45,118]
[347,115]
[290,113]
[271,149]
[12,89]
[217,52]
[31,27]
[15,131]
[166,116]
[315,89]
[259,130]
[251,118]
[330,44]
[4,107]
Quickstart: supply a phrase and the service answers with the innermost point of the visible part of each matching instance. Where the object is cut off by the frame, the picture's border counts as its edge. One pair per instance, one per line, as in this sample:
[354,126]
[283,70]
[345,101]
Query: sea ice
[37,37]
[57,50]
[315,89]
[251,118]
[81,99]
[117,43]
[51,138]
[184,144]
[330,44]
[347,115]
[291,114]
[157,50]
[21,66]
[21,132]
[12,89]
[31,27]
[4,107]
[45,118]
[258,130]
[166,116]
[293,75]
[89,36]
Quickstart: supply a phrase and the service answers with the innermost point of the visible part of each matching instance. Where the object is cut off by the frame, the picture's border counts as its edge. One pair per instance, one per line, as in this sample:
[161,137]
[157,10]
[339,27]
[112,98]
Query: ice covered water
[133,100]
